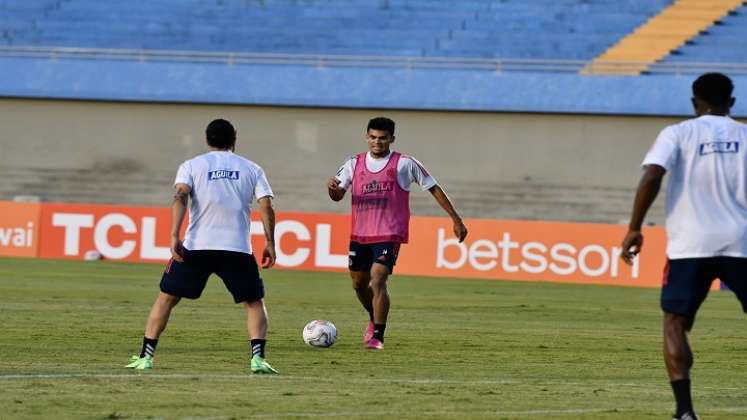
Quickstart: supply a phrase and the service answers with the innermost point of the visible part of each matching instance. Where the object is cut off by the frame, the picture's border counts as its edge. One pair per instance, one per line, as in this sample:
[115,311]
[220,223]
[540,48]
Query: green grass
[462,349]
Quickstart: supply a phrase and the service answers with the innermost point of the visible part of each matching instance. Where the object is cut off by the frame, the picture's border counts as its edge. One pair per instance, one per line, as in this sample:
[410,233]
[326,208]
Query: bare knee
[378,281]
[167,300]
[360,280]
[255,304]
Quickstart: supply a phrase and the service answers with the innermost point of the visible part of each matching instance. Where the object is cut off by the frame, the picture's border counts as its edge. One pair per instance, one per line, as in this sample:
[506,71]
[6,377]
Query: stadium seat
[659,36]
[568,29]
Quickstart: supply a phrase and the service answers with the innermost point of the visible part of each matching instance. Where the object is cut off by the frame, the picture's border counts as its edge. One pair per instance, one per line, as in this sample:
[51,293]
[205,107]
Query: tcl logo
[120,236]
[144,232]
[300,256]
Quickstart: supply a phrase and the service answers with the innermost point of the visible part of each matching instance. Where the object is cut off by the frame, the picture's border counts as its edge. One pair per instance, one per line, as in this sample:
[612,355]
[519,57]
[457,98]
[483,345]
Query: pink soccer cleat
[374,344]
[368,334]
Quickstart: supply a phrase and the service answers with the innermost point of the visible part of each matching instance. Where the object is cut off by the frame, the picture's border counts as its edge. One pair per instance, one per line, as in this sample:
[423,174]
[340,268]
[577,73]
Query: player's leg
[256,323]
[359,263]
[158,318]
[384,258]
[186,279]
[678,356]
[362,286]
[381,300]
[256,320]
[240,274]
[686,284]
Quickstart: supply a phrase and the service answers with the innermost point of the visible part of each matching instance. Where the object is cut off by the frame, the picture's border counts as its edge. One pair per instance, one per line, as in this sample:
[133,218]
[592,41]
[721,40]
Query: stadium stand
[485,55]
[722,42]
[662,34]
[567,29]
[501,200]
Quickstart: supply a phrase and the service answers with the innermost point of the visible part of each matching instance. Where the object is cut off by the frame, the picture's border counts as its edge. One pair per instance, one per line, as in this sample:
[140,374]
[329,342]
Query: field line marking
[139,375]
[409,381]
[519,413]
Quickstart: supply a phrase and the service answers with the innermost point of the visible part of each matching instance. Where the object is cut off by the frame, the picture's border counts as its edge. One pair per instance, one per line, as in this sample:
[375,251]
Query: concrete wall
[588,150]
[133,149]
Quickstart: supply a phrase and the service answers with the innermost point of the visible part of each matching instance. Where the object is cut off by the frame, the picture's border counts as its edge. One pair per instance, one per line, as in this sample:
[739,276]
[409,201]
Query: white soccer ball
[319,333]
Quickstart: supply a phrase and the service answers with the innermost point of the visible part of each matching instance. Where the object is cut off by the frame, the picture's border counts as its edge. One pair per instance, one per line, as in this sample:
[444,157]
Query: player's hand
[177,250]
[268,256]
[460,230]
[631,246]
[333,184]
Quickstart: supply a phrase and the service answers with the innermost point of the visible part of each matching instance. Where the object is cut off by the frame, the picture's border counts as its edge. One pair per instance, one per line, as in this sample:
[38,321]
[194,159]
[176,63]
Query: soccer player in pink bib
[380,182]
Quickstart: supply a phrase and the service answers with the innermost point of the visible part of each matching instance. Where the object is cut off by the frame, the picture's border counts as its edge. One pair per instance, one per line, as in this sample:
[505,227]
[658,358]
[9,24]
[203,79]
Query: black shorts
[362,256]
[687,281]
[238,271]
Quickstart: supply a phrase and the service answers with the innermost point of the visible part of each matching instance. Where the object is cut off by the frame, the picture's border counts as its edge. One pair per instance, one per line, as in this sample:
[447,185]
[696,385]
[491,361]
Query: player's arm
[338,184]
[267,214]
[178,209]
[460,230]
[336,193]
[648,189]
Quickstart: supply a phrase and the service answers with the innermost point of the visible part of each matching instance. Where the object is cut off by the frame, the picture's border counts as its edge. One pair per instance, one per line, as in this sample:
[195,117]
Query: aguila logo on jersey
[719,147]
[376,186]
[223,174]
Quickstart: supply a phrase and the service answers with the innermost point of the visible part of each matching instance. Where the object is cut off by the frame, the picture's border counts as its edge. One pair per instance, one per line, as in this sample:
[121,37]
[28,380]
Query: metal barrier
[498,65]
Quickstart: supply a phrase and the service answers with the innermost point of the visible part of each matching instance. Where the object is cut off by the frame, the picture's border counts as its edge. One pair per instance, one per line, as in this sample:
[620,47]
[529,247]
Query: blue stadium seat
[721,43]
[568,29]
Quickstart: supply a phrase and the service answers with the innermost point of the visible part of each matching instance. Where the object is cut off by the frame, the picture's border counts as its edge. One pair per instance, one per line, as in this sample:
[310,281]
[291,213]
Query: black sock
[258,347]
[370,316]
[149,347]
[681,390]
[379,332]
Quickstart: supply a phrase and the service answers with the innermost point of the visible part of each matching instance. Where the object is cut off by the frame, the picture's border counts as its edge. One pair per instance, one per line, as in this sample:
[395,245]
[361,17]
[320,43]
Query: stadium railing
[396,62]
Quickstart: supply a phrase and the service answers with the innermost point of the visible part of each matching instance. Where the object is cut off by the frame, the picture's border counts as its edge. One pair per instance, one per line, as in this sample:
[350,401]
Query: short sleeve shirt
[224,185]
[707,191]
[409,171]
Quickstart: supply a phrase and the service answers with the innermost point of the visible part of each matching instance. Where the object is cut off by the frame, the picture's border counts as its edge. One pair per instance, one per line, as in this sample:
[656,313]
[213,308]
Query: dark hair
[220,134]
[713,88]
[381,123]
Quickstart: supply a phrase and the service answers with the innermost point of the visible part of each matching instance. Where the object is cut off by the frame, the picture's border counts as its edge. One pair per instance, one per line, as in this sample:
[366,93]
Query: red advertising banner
[19,229]
[535,251]
[494,249]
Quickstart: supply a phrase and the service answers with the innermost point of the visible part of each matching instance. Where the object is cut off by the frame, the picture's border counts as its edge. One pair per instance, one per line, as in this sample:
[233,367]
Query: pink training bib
[381,207]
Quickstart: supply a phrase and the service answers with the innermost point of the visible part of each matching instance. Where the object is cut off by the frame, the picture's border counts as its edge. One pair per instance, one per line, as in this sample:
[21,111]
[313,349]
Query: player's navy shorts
[687,281]
[362,256]
[238,271]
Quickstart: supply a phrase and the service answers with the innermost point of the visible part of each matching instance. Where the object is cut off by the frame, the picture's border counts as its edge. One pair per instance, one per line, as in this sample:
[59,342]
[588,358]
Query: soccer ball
[319,333]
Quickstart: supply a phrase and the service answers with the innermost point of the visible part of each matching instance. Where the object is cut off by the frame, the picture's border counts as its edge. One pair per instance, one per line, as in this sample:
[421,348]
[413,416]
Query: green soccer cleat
[140,363]
[259,365]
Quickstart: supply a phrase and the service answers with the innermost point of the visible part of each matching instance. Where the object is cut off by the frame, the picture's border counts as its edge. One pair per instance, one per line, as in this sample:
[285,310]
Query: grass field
[461,349]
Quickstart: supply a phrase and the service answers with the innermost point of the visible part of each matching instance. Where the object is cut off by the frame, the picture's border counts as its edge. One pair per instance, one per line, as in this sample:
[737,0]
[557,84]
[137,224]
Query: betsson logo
[510,256]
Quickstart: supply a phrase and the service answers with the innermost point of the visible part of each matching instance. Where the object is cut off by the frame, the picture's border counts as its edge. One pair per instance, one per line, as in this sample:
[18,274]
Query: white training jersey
[707,191]
[409,171]
[224,185]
